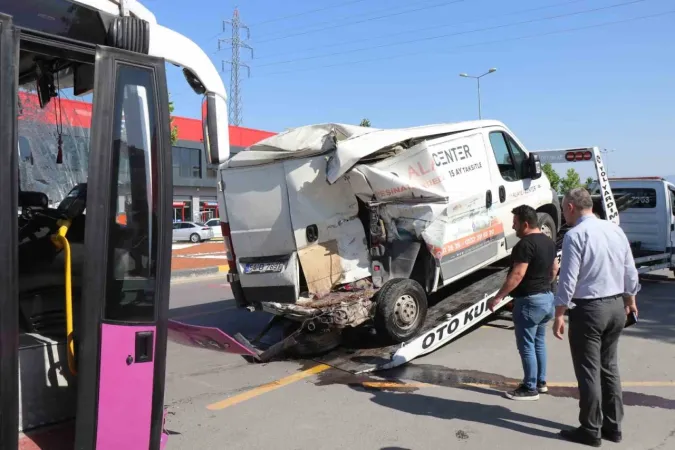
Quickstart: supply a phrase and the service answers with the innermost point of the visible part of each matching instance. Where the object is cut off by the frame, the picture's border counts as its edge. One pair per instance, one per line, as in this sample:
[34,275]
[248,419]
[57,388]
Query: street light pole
[477,78]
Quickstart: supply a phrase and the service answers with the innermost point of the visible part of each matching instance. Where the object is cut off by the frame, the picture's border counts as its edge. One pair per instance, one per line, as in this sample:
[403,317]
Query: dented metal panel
[329,236]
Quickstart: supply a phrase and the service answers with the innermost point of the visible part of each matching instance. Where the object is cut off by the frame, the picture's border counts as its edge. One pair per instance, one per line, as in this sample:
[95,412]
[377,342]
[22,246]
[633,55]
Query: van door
[122,352]
[9,169]
[329,236]
[511,186]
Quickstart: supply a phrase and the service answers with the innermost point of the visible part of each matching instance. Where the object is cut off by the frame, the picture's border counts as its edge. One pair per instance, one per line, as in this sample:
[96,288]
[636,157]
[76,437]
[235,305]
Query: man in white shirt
[598,283]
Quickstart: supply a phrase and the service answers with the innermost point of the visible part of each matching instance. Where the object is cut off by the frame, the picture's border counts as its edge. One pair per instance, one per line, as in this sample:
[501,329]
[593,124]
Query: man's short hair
[580,198]
[526,214]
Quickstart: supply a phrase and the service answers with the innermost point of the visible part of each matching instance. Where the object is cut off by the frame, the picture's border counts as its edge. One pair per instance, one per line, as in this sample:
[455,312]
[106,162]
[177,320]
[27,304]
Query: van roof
[353,143]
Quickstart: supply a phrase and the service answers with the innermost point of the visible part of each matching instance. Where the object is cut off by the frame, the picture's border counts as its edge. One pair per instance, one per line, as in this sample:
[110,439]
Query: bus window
[133,246]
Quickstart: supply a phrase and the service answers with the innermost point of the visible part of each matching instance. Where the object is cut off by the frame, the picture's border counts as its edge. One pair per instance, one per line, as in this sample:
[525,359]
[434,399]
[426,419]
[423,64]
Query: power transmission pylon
[235,63]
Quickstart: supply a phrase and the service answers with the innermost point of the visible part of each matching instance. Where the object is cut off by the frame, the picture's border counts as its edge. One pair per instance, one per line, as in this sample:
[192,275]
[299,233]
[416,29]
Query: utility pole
[236,43]
[478,80]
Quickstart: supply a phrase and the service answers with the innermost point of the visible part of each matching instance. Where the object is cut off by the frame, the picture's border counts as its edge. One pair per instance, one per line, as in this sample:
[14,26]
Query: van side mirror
[534,166]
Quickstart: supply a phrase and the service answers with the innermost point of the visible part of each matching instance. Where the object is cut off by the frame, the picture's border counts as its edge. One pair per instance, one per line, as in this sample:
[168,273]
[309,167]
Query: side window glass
[672,202]
[643,198]
[503,157]
[519,158]
[133,249]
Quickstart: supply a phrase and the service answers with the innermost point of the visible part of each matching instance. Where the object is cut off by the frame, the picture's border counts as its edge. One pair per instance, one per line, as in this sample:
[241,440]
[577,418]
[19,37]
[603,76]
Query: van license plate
[263,267]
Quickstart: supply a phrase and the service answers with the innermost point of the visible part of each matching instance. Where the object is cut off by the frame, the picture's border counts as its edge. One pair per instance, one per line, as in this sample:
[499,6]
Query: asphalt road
[451,398]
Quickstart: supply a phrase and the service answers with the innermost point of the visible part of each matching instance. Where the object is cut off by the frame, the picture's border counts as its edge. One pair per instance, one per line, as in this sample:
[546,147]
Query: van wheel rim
[406,311]
[546,230]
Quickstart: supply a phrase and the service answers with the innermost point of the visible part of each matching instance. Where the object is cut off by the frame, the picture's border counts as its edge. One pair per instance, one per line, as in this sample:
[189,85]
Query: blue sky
[583,78]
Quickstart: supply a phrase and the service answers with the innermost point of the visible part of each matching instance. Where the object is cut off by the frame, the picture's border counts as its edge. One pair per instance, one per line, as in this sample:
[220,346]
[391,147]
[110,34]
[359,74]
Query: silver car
[191,231]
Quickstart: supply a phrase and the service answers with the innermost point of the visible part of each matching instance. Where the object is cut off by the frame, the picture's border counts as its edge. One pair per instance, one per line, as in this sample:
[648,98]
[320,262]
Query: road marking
[267,388]
[274,385]
[564,384]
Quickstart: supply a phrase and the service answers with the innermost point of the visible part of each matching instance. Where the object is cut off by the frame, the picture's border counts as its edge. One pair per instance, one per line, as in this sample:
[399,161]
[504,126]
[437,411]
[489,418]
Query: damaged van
[335,225]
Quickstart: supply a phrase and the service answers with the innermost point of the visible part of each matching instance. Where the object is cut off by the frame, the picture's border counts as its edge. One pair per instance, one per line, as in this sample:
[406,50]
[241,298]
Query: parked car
[214,224]
[191,231]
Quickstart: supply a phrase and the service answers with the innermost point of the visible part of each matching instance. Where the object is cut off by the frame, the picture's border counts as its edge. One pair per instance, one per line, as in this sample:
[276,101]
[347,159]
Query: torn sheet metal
[441,169]
[350,151]
[346,310]
[298,142]
[329,236]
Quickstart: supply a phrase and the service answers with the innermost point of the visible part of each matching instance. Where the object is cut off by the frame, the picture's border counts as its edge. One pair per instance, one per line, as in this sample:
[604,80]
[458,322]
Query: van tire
[401,308]
[545,221]
[194,238]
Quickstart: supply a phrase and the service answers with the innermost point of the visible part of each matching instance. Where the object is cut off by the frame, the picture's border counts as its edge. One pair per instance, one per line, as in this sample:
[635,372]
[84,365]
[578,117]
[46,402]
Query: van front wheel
[546,225]
[401,309]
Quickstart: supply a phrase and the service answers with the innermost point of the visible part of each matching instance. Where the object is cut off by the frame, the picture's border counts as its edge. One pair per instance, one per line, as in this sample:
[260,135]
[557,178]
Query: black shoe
[522,393]
[580,437]
[613,436]
[542,388]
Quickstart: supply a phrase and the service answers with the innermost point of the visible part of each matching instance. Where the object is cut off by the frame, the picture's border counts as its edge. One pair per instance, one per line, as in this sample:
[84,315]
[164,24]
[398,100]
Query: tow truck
[84,276]
[649,221]
[460,308]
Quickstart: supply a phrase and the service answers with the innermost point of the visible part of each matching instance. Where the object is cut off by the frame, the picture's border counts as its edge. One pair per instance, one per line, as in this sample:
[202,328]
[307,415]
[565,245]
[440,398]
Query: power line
[499,41]
[235,106]
[344,19]
[445,25]
[441,36]
[304,13]
[354,22]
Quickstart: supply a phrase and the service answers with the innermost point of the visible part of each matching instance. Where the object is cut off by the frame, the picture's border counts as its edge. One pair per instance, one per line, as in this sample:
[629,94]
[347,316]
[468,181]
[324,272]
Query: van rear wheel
[401,309]
[547,225]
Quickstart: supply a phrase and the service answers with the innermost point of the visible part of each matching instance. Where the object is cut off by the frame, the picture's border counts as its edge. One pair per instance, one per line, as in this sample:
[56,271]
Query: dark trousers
[594,330]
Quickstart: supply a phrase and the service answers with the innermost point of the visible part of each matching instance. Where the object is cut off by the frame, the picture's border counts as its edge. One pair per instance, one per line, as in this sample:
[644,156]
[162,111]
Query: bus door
[122,342]
[9,312]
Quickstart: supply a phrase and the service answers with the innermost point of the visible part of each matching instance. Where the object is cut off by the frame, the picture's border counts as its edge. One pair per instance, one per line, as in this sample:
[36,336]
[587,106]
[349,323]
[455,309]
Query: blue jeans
[530,315]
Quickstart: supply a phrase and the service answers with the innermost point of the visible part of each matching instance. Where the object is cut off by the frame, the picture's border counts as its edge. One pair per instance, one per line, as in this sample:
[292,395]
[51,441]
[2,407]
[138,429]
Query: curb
[195,273]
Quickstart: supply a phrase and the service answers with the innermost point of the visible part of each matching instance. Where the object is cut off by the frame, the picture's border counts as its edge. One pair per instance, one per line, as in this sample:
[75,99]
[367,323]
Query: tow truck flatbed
[463,306]
[448,319]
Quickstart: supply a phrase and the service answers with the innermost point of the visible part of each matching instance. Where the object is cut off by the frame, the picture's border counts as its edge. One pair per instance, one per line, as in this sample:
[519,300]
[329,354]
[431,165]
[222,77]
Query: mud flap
[207,337]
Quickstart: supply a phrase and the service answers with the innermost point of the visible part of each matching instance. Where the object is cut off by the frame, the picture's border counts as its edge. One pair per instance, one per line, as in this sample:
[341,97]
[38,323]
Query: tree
[552,176]
[589,181]
[571,181]
[365,123]
[174,128]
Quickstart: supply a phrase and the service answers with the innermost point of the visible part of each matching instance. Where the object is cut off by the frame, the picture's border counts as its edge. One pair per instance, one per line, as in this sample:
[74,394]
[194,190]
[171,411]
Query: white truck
[649,222]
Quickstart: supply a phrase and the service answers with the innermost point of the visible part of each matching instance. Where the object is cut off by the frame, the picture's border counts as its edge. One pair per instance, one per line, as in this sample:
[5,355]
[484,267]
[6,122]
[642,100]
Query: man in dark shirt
[533,268]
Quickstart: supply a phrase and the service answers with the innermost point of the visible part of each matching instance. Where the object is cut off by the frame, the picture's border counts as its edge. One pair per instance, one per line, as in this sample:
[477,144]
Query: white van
[649,223]
[319,218]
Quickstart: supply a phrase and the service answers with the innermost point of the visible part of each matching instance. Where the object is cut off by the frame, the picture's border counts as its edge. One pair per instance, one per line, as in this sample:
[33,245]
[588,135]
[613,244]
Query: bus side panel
[122,410]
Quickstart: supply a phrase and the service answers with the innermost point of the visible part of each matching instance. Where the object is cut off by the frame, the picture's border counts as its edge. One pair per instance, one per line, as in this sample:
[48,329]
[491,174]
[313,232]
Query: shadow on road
[656,304]
[442,408]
